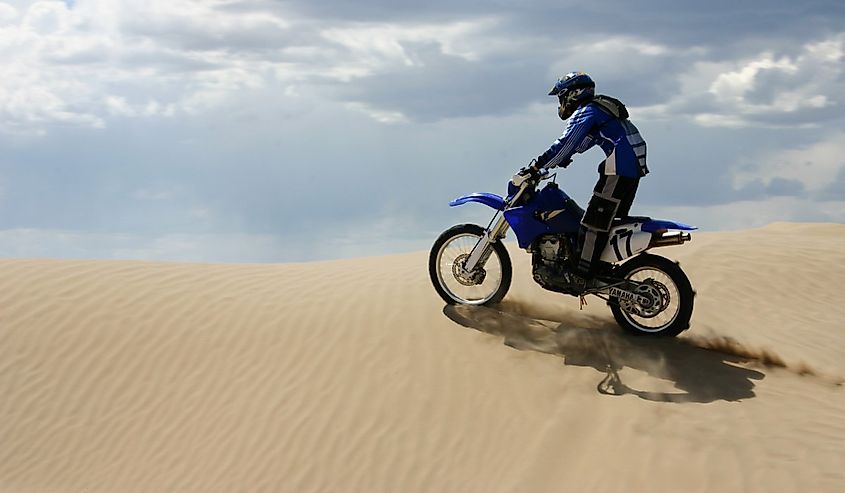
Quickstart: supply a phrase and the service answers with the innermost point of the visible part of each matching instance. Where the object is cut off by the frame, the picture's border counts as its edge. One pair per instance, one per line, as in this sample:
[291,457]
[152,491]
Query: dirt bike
[647,294]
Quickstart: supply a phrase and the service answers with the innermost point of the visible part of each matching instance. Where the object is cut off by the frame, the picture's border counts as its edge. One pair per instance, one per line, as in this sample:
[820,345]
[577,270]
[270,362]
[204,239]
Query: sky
[286,131]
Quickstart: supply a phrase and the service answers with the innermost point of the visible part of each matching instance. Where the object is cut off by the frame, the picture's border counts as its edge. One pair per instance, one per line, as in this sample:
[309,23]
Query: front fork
[494,232]
[482,250]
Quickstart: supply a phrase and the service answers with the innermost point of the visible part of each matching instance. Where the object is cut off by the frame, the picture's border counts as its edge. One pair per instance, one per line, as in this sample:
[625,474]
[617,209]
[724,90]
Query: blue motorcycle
[648,294]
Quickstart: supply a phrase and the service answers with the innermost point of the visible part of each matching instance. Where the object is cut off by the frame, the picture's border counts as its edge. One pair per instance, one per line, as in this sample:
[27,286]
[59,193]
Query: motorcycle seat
[618,221]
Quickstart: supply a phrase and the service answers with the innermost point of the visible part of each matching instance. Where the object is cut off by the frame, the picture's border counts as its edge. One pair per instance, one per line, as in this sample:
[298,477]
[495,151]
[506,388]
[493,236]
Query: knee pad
[600,213]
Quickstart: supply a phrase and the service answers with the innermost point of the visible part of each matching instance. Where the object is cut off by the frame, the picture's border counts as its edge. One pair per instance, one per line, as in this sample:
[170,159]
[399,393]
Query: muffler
[662,239]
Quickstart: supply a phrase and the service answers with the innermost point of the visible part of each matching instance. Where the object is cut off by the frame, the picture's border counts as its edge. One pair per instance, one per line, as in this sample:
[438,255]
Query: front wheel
[486,284]
[670,295]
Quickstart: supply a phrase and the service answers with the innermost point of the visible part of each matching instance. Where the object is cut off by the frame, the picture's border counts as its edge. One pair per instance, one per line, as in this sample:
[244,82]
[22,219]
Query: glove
[541,163]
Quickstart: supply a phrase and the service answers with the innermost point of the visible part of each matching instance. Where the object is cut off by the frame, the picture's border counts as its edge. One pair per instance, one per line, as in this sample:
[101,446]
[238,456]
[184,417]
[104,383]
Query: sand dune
[122,376]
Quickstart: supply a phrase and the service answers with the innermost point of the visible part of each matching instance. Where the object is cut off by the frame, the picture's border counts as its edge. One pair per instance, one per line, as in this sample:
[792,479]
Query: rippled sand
[122,376]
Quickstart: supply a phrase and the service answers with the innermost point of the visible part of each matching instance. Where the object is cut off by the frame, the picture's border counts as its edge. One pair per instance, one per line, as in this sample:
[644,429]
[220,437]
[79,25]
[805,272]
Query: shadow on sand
[700,375]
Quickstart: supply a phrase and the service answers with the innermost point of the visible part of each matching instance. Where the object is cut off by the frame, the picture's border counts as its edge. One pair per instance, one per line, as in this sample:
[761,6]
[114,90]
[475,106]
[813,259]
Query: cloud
[315,129]
[428,72]
[8,14]
[377,237]
[812,167]
[374,43]
[765,89]
[190,26]
[99,59]
[745,214]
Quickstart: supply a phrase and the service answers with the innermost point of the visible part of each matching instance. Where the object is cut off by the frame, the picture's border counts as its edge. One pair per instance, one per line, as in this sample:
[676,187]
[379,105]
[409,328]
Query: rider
[603,121]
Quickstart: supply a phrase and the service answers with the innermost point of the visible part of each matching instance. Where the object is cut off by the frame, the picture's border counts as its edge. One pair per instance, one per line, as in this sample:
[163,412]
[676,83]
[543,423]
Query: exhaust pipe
[661,240]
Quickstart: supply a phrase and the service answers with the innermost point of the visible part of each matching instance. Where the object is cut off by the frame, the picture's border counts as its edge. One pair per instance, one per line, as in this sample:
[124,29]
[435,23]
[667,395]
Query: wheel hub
[467,278]
[653,298]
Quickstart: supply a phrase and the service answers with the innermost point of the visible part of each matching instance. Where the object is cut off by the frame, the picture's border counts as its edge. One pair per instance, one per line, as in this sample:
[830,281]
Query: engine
[551,262]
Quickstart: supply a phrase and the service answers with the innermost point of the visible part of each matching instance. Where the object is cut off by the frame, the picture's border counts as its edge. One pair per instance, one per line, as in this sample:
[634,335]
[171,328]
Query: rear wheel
[486,284]
[666,294]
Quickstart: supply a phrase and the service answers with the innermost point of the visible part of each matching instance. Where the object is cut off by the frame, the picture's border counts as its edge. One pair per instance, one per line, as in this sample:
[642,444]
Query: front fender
[488,199]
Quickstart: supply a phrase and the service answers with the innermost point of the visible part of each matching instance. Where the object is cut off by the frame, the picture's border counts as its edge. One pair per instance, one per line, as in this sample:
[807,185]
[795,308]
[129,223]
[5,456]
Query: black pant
[612,197]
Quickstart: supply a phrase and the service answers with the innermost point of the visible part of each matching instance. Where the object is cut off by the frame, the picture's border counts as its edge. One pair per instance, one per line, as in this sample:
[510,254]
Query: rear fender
[655,225]
[488,199]
[627,240]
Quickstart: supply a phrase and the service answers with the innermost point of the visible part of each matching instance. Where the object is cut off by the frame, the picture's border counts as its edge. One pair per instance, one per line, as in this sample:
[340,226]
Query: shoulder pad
[612,106]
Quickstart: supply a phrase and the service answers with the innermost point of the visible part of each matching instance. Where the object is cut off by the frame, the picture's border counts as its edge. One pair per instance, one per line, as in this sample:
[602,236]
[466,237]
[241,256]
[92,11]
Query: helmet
[572,90]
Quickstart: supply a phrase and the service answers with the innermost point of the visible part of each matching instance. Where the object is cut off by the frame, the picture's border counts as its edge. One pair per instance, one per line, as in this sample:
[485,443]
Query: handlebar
[524,179]
[524,175]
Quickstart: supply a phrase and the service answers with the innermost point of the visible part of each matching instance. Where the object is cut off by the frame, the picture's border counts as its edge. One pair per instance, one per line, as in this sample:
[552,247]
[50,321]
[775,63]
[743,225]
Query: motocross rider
[603,121]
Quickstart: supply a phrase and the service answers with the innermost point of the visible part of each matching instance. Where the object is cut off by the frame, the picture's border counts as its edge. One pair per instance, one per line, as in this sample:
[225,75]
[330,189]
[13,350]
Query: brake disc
[464,277]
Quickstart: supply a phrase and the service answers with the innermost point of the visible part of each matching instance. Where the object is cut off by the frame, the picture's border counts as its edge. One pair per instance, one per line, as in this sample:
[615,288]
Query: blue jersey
[590,125]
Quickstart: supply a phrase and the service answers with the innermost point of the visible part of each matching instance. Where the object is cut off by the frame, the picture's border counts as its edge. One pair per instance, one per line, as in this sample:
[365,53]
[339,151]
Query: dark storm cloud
[638,53]
[445,86]
[727,11]
[680,24]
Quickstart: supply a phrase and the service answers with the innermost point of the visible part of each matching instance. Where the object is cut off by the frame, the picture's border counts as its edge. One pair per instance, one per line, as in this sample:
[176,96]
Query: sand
[128,376]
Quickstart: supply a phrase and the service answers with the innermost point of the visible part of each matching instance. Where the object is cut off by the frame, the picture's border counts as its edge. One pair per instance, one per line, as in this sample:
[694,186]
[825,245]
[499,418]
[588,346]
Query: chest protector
[615,108]
[612,106]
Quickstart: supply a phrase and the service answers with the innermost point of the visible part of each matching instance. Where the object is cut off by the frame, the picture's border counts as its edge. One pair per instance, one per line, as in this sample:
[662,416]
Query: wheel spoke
[467,290]
[669,300]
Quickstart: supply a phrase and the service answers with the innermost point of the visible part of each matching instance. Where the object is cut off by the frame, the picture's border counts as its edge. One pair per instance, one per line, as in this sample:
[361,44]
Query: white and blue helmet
[572,90]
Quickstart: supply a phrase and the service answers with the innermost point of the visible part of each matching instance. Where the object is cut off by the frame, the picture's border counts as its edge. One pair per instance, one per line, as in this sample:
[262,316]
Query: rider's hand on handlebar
[534,169]
[525,174]
[529,172]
